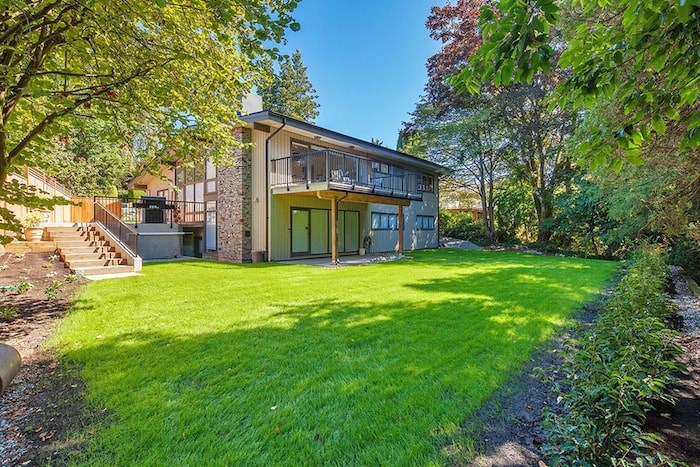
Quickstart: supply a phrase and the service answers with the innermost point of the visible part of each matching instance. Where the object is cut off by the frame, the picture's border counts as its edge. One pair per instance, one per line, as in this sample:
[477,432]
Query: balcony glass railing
[346,172]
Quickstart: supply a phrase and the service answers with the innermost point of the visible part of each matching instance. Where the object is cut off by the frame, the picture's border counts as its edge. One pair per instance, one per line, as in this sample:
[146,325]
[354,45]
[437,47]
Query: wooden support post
[400,229]
[334,231]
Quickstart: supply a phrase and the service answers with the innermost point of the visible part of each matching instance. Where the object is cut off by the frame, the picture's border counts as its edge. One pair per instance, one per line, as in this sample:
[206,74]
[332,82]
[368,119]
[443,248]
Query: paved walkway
[449,242]
[355,260]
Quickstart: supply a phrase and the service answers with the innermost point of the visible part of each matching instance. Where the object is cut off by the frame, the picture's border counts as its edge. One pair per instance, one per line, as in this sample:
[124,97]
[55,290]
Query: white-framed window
[385,221]
[425,222]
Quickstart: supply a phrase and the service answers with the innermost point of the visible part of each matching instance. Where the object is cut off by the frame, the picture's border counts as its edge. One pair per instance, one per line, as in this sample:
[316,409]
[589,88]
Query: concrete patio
[353,260]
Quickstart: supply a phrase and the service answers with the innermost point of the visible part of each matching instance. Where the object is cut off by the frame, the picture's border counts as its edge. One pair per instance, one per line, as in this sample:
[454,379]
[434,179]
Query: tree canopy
[86,160]
[641,53]
[290,91]
[180,67]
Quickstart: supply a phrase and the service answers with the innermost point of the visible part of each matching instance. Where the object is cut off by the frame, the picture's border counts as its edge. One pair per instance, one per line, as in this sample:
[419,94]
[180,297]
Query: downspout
[267,186]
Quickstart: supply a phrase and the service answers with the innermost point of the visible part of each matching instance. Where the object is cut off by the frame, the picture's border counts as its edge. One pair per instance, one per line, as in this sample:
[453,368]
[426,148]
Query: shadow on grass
[329,381]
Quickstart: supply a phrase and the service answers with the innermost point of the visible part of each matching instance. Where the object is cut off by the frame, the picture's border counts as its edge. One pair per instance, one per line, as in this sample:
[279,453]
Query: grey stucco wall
[159,241]
[413,239]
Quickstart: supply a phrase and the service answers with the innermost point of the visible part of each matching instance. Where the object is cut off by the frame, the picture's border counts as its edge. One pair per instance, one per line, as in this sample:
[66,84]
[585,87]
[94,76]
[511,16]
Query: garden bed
[44,402]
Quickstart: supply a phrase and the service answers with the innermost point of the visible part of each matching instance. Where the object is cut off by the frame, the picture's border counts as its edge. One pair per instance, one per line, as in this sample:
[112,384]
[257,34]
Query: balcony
[334,170]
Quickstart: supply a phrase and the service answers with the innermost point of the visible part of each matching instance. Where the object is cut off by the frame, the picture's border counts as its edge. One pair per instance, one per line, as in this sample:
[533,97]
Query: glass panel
[189,193]
[352,230]
[319,231]
[211,170]
[199,193]
[299,148]
[300,231]
[393,221]
[198,173]
[299,169]
[376,219]
[211,186]
[210,229]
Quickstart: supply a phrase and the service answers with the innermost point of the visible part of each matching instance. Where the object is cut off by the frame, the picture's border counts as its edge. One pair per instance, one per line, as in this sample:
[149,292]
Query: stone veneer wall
[234,205]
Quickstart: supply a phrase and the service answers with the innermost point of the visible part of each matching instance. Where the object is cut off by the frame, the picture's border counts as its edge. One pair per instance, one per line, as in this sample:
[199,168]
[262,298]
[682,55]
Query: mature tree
[290,91]
[515,217]
[86,161]
[470,141]
[536,134]
[178,67]
[643,53]
[456,27]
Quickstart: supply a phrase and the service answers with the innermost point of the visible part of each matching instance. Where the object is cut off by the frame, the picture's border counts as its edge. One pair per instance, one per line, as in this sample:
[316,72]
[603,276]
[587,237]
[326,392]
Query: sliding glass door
[311,231]
[300,232]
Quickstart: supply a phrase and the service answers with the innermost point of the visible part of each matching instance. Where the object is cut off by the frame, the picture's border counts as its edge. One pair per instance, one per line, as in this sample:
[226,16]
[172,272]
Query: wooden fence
[80,211]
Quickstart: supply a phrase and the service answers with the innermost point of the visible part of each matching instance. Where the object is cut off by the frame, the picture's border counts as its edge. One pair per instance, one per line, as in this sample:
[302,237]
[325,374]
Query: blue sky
[366,60]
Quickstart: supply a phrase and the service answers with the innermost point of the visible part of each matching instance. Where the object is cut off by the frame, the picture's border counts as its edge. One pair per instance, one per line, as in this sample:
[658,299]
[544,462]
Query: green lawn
[208,362]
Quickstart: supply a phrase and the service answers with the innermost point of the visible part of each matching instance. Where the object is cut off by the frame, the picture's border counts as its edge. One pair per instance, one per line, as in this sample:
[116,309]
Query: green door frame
[308,231]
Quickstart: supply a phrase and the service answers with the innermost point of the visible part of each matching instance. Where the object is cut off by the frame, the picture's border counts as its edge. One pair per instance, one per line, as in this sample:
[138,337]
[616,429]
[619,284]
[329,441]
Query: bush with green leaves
[622,367]
[7,312]
[53,289]
[24,286]
[70,278]
[461,226]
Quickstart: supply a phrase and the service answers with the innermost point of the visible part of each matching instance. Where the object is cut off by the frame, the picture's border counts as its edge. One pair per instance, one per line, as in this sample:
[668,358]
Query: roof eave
[358,143]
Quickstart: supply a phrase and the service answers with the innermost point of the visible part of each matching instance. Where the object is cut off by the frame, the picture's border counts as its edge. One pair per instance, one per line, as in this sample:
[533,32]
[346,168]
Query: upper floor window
[426,183]
[299,147]
[380,167]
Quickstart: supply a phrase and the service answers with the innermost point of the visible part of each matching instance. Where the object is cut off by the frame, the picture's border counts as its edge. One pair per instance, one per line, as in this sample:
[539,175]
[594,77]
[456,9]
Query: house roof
[271,118]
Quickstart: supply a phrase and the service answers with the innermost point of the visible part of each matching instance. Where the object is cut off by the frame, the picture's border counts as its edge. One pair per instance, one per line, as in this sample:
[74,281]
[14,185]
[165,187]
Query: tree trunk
[544,209]
[486,195]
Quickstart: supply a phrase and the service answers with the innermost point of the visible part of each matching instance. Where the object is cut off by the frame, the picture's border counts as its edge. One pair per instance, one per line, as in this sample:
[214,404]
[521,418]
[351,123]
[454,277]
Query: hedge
[621,368]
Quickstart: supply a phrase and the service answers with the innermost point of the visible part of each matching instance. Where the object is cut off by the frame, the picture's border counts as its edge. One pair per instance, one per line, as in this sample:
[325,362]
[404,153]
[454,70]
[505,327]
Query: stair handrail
[123,233]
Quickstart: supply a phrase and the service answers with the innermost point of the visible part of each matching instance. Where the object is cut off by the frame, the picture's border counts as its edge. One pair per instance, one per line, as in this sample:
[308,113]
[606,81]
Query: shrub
[622,367]
[461,226]
[52,290]
[32,219]
[7,312]
[70,278]
[24,286]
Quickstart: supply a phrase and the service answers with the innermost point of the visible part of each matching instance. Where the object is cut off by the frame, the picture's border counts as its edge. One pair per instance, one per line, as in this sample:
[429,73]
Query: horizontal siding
[280,205]
[281,220]
[413,239]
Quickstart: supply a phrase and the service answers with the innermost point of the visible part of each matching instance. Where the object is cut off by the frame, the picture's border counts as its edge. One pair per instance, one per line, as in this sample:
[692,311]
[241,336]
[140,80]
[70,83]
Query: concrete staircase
[86,252]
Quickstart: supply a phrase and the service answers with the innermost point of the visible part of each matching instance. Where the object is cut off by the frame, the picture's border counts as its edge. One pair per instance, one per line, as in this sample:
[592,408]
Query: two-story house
[300,191]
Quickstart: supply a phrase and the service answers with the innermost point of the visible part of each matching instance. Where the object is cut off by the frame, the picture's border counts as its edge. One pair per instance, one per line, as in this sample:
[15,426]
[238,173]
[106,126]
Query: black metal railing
[153,210]
[346,172]
[127,236]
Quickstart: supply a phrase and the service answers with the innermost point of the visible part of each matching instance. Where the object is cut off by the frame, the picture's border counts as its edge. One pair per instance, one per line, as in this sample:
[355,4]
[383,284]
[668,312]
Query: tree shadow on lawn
[327,381]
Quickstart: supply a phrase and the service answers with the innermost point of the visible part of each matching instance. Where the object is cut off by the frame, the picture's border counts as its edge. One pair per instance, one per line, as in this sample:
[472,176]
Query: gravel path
[687,303]
[449,242]
[679,425]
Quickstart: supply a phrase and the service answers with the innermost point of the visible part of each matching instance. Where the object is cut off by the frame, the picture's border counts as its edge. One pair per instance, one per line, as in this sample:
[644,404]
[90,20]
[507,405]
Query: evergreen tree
[290,92]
